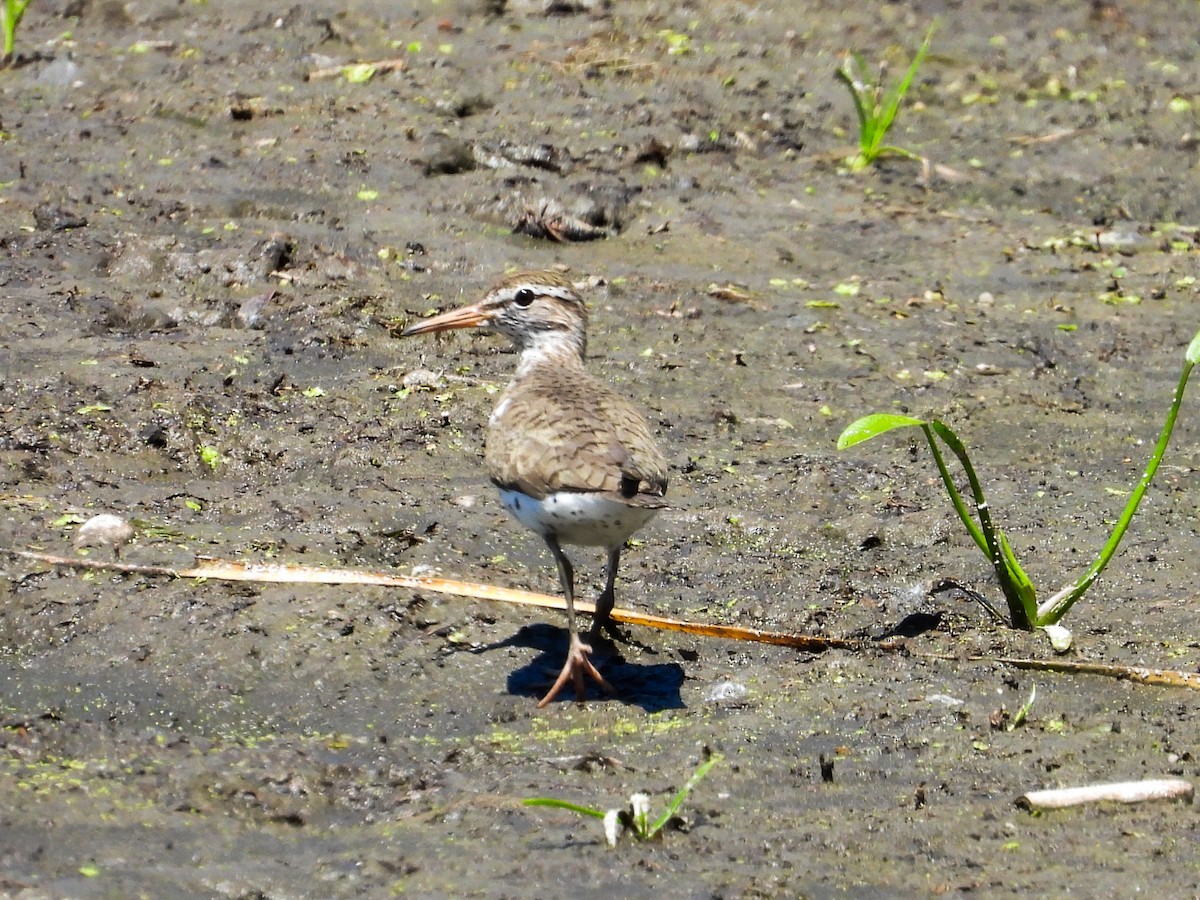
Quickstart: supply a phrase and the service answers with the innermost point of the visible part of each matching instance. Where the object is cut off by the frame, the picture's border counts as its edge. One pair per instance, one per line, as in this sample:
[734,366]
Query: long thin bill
[464,317]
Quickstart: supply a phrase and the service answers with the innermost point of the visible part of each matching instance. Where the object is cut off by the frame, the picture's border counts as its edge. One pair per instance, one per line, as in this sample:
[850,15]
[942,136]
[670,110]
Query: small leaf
[872,426]
[359,73]
[1193,350]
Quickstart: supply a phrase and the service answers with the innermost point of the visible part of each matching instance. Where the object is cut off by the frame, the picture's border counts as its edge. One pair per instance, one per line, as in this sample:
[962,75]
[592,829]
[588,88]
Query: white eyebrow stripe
[545,290]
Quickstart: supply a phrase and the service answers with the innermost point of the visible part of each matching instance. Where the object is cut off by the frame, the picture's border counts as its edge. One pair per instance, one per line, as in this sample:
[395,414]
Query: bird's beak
[463,317]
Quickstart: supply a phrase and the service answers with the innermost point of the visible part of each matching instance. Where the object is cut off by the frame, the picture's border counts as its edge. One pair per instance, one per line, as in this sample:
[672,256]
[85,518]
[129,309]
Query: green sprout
[876,107]
[11,12]
[636,817]
[1022,713]
[209,455]
[1023,608]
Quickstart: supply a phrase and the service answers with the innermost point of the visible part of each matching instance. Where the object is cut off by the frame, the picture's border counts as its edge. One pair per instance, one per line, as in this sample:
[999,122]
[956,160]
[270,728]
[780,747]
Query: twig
[1059,135]
[1136,674]
[383,65]
[1118,792]
[207,567]
[280,573]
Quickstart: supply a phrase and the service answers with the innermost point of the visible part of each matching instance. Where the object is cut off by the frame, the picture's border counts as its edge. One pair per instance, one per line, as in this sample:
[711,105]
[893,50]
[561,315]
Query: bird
[104,530]
[574,461]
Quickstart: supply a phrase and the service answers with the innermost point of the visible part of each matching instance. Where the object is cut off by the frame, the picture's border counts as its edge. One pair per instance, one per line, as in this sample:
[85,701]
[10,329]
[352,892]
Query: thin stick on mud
[1116,792]
[281,573]
[382,65]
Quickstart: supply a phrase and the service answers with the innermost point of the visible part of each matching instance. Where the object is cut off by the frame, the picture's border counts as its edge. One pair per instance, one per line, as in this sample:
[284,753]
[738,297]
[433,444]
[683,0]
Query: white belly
[577,518]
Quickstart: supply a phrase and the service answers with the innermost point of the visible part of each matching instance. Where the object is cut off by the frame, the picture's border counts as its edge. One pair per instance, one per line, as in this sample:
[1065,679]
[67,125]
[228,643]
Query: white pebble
[725,691]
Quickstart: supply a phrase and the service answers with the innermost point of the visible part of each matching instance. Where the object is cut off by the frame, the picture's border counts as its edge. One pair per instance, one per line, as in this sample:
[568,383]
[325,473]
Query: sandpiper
[574,460]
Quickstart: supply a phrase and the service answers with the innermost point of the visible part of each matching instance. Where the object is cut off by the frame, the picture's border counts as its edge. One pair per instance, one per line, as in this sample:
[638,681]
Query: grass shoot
[1022,714]
[1025,612]
[635,818]
[876,106]
[11,12]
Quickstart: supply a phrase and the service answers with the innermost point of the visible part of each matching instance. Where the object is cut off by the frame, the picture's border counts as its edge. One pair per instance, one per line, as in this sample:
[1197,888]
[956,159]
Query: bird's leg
[578,664]
[604,603]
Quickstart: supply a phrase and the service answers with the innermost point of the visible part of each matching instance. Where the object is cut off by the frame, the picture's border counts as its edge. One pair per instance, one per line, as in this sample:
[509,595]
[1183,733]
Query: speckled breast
[576,517]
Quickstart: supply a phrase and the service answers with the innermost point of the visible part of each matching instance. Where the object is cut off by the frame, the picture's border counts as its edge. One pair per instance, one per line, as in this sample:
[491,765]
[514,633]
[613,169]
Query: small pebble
[726,691]
[944,700]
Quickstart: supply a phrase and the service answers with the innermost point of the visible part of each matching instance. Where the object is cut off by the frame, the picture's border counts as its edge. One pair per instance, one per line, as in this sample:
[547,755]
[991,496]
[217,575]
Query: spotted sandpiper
[574,460]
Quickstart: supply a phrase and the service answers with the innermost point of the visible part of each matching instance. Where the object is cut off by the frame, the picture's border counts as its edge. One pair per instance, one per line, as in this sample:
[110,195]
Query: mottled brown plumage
[538,441]
[574,460]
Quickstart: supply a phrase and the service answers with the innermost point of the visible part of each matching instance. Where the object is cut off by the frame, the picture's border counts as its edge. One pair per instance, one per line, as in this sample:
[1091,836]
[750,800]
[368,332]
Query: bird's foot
[608,630]
[576,667]
[610,634]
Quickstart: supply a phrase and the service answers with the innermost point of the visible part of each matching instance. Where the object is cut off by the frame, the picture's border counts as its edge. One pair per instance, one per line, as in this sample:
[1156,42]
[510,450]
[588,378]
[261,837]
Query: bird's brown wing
[574,433]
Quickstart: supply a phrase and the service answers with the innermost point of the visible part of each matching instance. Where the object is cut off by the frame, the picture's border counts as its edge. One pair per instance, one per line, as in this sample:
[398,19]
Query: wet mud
[211,235]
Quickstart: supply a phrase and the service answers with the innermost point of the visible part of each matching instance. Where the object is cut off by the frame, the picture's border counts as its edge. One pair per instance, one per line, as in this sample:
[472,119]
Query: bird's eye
[523,297]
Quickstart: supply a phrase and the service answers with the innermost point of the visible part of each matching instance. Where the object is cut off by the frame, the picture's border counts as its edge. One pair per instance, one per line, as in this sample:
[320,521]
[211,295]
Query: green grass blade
[848,80]
[872,426]
[1024,586]
[1021,609]
[563,804]
[956,499]
[876,107]
[681,794]
[1023,710]
[1056,607]
[895,95]
[11,14]
[1018,589]
[866,107]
